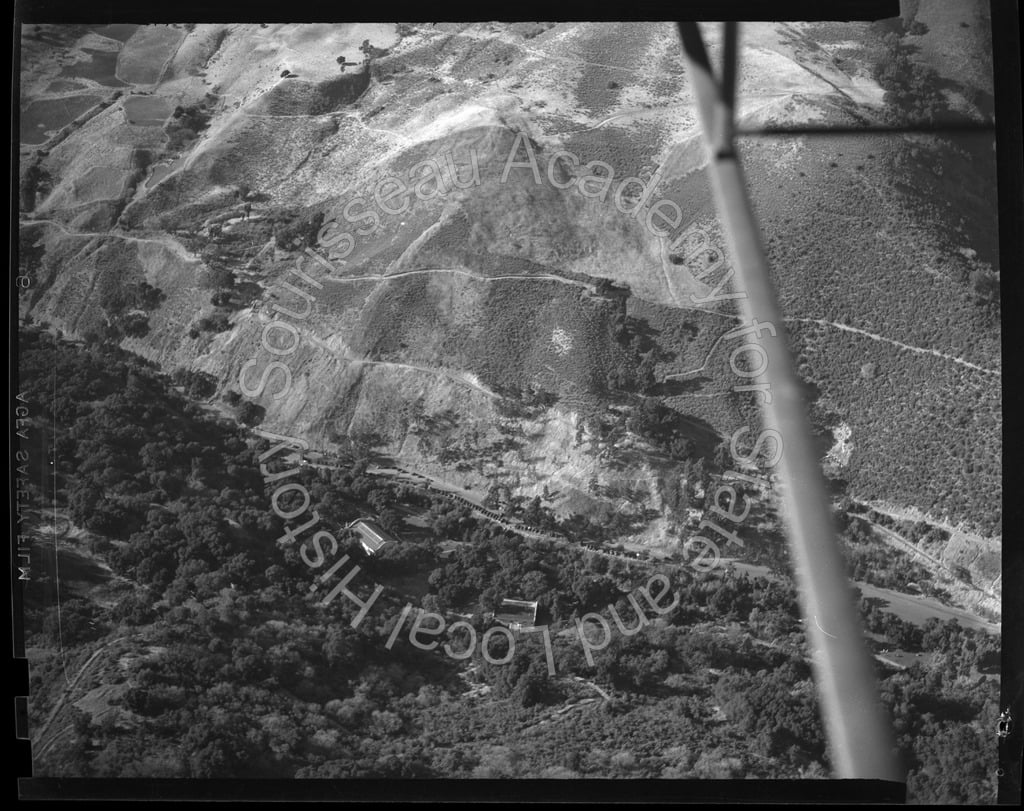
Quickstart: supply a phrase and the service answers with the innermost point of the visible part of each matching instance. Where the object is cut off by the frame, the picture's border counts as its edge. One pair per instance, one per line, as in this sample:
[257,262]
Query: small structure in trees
[372,536]
[517,615]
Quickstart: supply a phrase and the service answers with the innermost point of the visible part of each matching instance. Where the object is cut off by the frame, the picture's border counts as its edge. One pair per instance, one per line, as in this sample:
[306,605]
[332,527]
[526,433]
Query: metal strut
[859,730]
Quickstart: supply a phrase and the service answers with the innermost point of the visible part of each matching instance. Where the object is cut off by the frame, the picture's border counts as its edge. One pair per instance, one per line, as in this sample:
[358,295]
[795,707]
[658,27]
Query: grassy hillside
[882,248]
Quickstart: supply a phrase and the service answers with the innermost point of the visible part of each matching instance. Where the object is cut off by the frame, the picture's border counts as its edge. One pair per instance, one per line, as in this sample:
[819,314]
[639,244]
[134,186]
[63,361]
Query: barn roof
[373,534]
[522,611]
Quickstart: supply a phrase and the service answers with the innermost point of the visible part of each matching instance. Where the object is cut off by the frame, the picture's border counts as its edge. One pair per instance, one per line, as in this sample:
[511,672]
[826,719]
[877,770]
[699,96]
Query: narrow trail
[632,111]
[453,376]
[67,691]
[182,252]
[46,747]
[435,485]
[711,396]
[851,90]
[669,272]
[703,366]
[900,542]
[357,117]
[547,277]
[745,111]
[876,337]
[903,543]
[166,241]
[588,683]
[574,59]
[846,328]
[462,379]
[903,514]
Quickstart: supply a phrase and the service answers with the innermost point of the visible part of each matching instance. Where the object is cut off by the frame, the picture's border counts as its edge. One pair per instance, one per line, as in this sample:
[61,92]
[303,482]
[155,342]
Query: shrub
[251,413]
[198,385]
[217,278]
[215,323]
[298,232]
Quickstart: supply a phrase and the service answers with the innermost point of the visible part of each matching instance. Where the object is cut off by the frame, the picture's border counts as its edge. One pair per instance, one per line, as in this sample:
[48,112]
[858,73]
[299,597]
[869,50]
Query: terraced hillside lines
[876,337]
